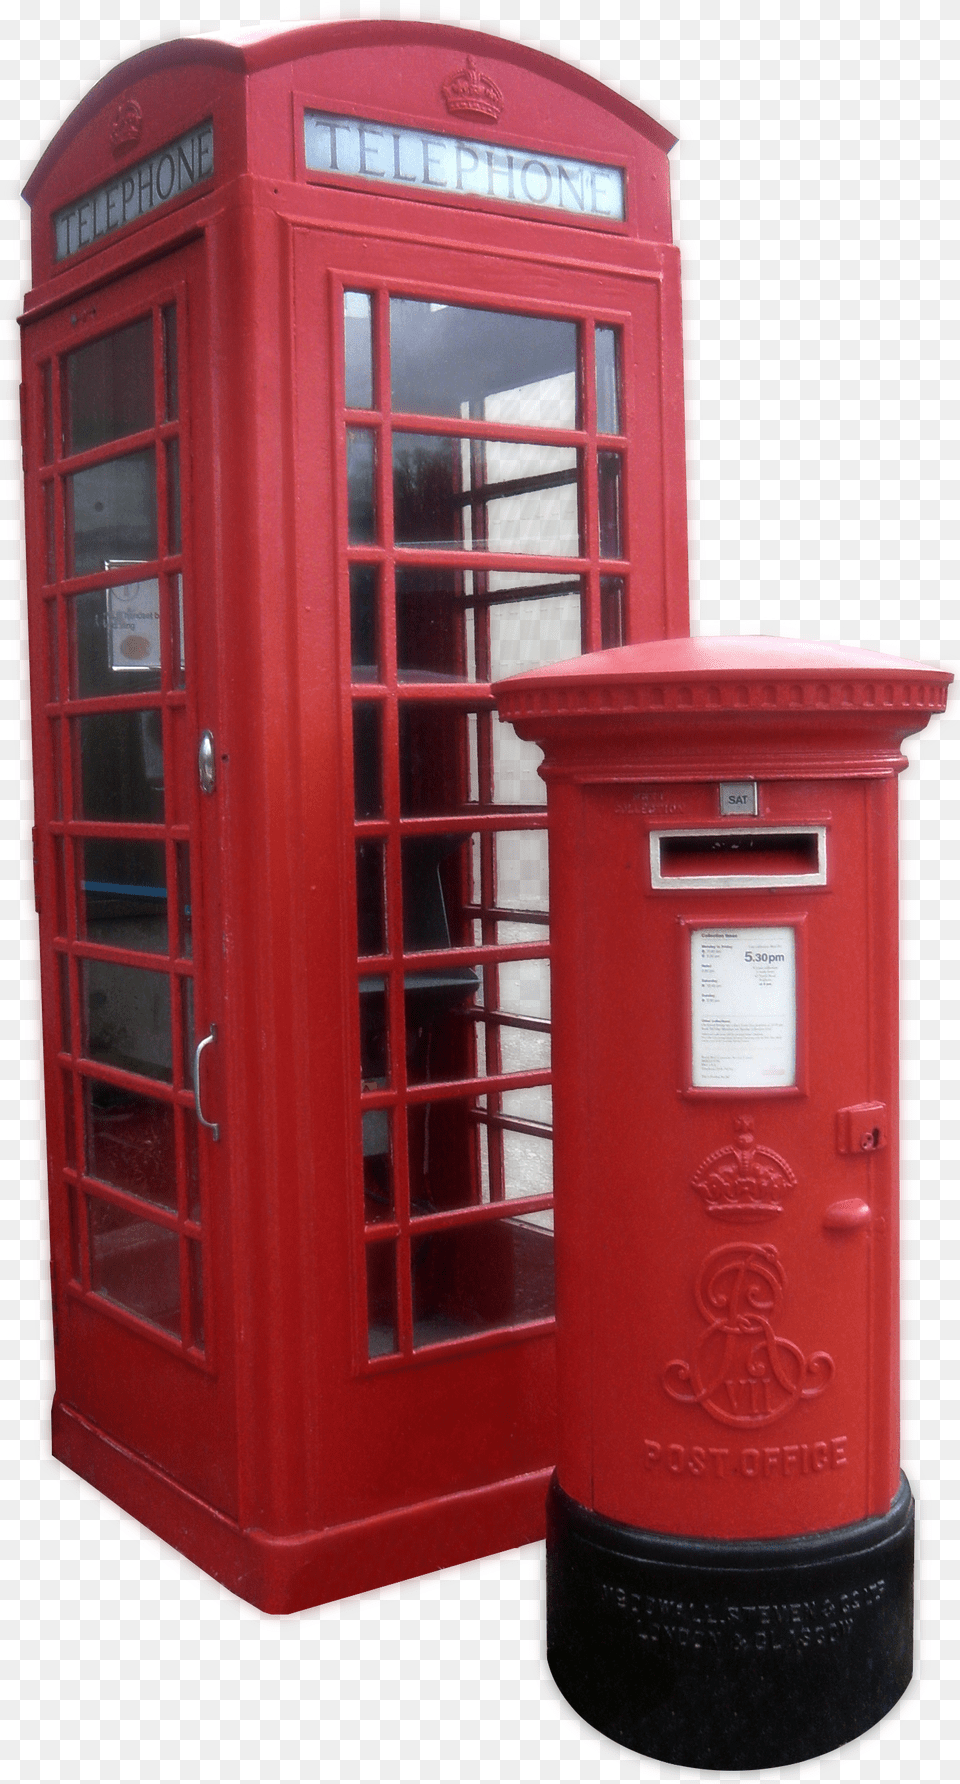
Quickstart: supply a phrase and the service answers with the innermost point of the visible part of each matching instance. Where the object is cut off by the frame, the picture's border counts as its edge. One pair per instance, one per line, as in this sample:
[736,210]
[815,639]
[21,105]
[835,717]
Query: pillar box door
[723,840]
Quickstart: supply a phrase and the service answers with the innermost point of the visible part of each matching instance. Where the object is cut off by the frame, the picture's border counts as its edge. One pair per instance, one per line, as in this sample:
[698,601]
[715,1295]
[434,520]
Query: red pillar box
[730,1537]
[352,382]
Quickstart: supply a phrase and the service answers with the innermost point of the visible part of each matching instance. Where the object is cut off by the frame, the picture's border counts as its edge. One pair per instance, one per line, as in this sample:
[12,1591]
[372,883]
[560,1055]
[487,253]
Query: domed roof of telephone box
[387,76]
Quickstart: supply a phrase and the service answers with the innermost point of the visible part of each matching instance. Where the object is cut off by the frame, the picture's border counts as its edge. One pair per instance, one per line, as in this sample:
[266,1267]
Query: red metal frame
[284,1459]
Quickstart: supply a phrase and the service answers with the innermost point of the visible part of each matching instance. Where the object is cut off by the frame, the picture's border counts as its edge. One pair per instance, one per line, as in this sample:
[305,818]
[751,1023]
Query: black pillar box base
[730,1655]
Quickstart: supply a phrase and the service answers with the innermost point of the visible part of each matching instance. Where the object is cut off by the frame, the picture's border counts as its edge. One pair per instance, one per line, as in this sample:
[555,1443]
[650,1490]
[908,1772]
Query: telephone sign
[427,162]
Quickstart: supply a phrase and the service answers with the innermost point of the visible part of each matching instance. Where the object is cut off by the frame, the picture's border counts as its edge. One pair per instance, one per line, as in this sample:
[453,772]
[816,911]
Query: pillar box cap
[691,708]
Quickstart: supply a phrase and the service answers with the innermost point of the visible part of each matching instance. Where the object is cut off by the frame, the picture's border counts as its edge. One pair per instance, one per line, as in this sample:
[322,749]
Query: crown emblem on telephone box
[472,94]
[127,126]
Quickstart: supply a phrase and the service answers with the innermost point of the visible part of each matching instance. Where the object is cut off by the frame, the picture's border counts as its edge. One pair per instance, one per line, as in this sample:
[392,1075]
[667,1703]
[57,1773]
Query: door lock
[862,1128]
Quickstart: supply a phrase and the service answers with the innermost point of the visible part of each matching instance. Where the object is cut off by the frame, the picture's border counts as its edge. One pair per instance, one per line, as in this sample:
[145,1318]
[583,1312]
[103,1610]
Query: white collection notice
[744,995]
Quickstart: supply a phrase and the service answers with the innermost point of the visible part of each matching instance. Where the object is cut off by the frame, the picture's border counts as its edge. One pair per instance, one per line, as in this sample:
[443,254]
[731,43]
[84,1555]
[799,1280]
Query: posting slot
[773,855]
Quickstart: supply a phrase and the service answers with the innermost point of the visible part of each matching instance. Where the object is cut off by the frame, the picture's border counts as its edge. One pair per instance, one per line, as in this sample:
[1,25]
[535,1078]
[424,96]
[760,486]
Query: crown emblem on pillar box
[744,1181]
[472,94]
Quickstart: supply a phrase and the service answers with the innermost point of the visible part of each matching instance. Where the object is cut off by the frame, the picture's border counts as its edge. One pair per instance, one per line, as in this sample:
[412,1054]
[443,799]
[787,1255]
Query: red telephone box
[352,382]
[730,1539]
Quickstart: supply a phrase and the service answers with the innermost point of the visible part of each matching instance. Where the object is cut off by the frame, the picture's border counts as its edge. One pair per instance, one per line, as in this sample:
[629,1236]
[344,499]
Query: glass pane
[173,497]
[124,894]
[612,617]
[361,488]
[193,1165]
[377,1166]
[432,621]
[532,627]
[56,768]
[374,1035]
[479,1278]
[367,761]
[60,883]
[115,639]
[524,1049]
[525,988]
[135,1264]
[608,381]
[112,514]
[371,912]
[443,1151]
[502,495]
[175,586]
[51,629]
[188,1027]
[609,496]
[184,908]
[446,360]
[441,1041]
[434,758]
[66,1024]
[522,871]
[364,622]
[195,1272]
[121,766]
[382,1299]
[130,1143]
[527,1164]
[50,571]
[69,1120]
[127,1018]
[533,1103]
[108,388]
[170,363]
[516,780]
[358,350]
[73,1213]
[46,398]
[436,885]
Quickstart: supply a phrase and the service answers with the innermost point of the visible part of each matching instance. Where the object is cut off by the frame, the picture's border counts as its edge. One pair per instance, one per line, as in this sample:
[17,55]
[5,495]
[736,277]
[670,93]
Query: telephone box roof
[246,61]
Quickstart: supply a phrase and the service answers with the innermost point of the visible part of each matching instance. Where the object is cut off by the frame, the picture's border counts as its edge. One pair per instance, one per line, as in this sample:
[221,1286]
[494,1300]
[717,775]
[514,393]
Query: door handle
[208,1040]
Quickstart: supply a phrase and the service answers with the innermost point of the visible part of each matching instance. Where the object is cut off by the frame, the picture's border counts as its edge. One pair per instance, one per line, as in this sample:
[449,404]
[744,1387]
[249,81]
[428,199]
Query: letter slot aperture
[736,858]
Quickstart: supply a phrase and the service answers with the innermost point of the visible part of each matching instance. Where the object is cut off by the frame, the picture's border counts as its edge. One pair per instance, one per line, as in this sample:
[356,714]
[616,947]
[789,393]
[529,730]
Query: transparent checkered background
[807,190]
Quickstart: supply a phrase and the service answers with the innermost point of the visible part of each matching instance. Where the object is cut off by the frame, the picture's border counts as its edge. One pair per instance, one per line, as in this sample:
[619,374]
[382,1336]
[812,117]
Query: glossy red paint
[727,1299]
[249,1407]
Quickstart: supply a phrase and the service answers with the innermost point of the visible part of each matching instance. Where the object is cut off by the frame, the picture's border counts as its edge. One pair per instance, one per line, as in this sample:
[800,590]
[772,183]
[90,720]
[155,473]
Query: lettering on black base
[732,1655]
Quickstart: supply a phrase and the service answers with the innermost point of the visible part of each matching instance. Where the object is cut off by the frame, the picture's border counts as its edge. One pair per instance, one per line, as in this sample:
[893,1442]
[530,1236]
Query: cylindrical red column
[730,1545]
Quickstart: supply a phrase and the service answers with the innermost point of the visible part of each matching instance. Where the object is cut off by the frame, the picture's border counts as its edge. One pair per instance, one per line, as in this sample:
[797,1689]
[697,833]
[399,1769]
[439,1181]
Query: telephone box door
[126,864]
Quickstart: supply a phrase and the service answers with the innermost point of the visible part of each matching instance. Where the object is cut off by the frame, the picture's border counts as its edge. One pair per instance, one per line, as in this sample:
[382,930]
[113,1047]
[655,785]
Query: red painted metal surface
[262,1349]
[728,1326]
